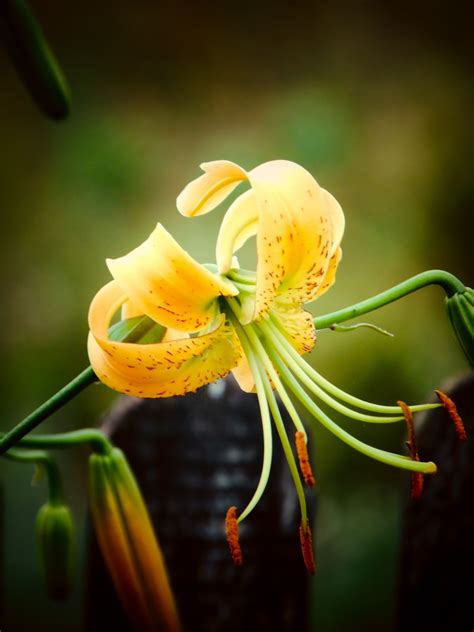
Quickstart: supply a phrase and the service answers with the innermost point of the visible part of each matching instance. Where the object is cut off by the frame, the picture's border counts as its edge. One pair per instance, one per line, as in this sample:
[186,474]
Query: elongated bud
[55,542]
[129,545]
[460,309]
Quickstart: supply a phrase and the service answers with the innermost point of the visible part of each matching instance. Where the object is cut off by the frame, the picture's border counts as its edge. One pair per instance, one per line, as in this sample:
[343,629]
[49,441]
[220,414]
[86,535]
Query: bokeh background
[375,99]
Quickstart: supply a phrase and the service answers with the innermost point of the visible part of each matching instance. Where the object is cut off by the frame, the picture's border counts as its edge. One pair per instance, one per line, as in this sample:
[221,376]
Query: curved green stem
[96,439]
[42,458]
[450,284]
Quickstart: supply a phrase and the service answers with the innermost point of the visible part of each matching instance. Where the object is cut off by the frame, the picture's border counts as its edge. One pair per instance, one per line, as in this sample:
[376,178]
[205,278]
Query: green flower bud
[55,541]
[461,314]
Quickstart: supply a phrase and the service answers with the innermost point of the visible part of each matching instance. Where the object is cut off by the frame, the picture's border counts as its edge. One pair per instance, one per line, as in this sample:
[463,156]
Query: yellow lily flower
[219,318]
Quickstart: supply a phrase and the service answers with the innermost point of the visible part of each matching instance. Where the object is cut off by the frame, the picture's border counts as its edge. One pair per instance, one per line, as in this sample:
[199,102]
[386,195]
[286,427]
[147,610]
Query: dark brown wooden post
[437,559]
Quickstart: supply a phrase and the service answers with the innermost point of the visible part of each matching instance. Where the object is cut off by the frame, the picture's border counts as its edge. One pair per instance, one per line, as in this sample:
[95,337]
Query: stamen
[278,331]
[305,465]
[232,533]
[265,418]
[417,480]
[306,540]
[397,460]
[452,411]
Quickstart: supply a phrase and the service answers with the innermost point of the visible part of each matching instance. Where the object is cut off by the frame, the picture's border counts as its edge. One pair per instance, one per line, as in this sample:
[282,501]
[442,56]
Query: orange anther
[306,540]
[452,411]
[232,533]
[305,465]
[417,479]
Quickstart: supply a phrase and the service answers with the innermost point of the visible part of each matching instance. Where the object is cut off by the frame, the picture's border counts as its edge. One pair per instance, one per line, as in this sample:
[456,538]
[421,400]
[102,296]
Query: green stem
[96,439]
[131,330]
[39,457]
[450,284]
[54,403]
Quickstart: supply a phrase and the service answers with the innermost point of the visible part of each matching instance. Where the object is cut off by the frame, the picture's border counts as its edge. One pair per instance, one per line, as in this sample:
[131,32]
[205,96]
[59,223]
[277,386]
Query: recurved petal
[243,375]
[174,367]
[129,310]
[206,192]
[330,277]
[299,226]
[338,220]
[295,233]
[239,224]
[297,324]
[164,282]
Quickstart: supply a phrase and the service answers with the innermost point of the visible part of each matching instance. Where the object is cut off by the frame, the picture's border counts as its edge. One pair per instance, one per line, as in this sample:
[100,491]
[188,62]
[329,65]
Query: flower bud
[128,543]
[55,541]
[461,314]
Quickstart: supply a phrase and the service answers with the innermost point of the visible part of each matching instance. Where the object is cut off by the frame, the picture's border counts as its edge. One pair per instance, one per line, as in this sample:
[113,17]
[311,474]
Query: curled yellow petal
[298,224]
[295,235]
[330,277]
[163,281]
[297,324]
[337,218]
[208,191]
[129,310]
[243,375]
[239,224]
[172,367]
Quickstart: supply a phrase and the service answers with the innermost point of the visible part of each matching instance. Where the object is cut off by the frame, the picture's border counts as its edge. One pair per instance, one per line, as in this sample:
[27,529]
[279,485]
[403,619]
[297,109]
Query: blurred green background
[375,99]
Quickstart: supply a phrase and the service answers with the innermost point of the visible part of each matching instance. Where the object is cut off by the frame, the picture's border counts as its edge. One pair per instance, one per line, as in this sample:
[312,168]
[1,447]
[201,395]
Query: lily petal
[206,192]
[239,224]
[129,310]
[331,272]
[298,225]
[167,284]
[297,324]
[244,376]
[338,220]
[160,369]
[295,234]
